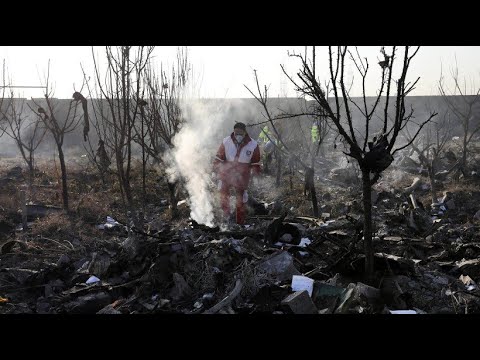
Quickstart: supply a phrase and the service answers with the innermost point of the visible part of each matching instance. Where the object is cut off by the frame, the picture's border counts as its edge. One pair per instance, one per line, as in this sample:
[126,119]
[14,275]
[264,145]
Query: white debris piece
[92,279]
[300,283]
[304,242]
[111,222]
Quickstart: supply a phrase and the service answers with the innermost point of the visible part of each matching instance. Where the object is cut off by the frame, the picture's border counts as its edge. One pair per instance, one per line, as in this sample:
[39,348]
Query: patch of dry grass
[92,208]
[52,225]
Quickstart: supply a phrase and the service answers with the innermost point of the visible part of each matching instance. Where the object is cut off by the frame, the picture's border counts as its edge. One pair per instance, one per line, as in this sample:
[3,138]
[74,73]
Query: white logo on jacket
[245,154]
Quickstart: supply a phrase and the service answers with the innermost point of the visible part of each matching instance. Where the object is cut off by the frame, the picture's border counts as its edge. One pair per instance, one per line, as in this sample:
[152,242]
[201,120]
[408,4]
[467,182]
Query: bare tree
[462,105]
[58,124]
[121,89]
[373,156]
[281,147]
[163,116]
[2,97]
[429,146]
[98,156]
[27,133]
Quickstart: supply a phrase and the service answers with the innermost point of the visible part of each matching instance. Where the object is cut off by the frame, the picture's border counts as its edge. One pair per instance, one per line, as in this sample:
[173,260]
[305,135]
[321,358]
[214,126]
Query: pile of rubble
[297,265]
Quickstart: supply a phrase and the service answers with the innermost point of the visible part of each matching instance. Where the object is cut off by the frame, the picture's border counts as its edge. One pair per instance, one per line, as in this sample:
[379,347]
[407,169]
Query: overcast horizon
[222,71]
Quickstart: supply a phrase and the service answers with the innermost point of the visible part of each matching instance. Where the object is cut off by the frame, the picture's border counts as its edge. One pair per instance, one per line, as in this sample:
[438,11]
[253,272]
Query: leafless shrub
[252,278]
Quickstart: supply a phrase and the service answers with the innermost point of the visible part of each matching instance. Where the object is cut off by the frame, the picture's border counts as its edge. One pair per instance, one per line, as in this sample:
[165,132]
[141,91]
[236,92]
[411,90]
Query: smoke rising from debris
[207,123]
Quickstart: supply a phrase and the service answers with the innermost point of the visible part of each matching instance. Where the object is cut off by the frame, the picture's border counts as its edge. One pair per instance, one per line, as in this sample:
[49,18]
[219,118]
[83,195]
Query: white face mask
[239,138]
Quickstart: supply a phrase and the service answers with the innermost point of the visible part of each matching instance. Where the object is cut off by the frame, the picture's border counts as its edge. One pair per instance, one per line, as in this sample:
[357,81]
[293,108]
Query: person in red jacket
[237,157]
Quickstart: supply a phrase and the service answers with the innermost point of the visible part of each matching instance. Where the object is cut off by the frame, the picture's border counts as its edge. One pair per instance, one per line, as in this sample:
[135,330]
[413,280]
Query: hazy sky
[222,71]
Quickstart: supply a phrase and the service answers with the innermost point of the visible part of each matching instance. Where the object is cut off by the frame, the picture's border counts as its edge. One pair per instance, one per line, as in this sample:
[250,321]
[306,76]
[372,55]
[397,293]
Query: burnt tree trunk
[433,188]
[128,191]
[314,201]
[31,176]
[29,160]
[124,181]
[144,161]
[61,157]
[310,187]
[31,172]
[464,151]
[173,199]
[367,223]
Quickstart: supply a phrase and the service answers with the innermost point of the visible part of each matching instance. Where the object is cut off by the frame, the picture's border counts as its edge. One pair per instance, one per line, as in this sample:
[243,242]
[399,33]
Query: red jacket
[234,161]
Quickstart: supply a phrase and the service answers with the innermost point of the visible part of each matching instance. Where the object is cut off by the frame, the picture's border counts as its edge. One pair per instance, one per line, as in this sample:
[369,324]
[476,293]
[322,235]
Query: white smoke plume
[195,146]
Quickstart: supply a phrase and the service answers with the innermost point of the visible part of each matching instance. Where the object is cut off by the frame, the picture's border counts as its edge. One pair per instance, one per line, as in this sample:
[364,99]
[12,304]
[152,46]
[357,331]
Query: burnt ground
[426,260]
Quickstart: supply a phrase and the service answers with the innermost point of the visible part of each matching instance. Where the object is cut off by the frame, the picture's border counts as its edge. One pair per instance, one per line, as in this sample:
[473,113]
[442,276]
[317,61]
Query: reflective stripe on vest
[246,152]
